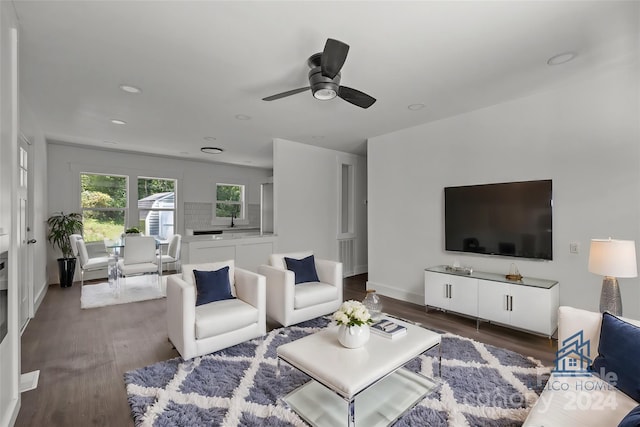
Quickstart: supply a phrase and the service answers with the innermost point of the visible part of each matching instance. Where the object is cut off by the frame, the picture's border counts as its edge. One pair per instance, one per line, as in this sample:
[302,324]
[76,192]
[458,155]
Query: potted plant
[133,231]
[61,226]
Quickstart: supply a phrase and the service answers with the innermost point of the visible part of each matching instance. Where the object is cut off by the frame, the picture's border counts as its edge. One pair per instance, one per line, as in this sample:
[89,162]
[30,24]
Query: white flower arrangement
[352,313]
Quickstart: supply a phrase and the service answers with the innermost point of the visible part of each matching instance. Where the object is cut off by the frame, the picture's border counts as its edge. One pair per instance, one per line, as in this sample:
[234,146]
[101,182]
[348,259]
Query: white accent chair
[288,303]
[195,331]
[172,255]
[139,258]
[79,249]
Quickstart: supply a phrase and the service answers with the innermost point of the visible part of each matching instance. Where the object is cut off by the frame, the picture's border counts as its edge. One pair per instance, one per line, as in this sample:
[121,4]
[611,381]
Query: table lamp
[612,259]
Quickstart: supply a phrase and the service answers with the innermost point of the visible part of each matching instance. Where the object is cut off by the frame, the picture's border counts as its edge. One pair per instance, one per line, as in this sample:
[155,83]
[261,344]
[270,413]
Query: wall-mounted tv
[510,219]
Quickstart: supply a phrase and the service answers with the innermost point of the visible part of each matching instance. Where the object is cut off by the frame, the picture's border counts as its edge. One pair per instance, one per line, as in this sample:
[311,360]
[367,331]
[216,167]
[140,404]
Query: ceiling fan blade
[333,57]
[287,93]
[355,97]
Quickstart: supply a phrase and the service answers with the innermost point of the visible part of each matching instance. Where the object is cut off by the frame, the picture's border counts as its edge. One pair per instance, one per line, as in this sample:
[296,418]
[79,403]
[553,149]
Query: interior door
[25,257]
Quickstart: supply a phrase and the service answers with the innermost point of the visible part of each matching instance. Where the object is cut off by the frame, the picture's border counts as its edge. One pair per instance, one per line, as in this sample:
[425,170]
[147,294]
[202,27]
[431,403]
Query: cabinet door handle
[511,303]
[446,290]
[506,302]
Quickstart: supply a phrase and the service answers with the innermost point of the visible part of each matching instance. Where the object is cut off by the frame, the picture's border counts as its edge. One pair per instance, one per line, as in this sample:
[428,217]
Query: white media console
[529,304]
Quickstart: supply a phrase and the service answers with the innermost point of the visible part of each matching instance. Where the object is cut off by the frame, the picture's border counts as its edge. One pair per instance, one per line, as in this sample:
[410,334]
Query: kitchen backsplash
[198,215]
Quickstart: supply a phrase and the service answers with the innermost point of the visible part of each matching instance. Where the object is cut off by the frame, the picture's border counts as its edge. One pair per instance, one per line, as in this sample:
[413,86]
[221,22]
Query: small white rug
[139,288]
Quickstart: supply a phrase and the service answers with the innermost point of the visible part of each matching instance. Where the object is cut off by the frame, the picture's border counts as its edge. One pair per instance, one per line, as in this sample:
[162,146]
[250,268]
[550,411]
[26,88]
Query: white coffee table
[366,386]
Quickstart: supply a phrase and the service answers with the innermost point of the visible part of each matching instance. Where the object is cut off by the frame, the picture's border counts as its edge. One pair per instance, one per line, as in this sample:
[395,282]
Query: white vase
[353,336]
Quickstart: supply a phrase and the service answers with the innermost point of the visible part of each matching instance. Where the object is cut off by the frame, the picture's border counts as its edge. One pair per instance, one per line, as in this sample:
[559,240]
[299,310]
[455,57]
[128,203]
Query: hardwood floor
[82,354]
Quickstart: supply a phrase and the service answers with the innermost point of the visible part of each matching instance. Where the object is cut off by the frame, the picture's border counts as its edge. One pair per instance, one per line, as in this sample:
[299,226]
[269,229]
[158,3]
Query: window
[230,201]
[157,206]
[104,205]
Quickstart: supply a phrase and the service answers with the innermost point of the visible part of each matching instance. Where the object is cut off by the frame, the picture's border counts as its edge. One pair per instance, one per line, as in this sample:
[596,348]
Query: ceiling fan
[324,77]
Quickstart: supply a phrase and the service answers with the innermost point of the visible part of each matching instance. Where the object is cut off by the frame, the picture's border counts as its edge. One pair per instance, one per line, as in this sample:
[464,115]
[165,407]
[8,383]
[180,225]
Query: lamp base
[610,299]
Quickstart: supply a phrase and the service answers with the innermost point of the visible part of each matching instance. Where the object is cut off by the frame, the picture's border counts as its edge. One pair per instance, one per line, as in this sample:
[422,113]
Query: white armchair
[79,249]
[288,303]
[139,258]
[195,331]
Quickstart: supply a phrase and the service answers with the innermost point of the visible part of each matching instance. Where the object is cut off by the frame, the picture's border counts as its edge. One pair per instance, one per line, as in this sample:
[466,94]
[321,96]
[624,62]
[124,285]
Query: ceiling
[203,66]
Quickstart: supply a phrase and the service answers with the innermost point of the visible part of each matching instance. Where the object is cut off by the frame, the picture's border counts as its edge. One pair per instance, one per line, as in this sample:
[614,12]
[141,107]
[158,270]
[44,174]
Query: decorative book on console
[388,329]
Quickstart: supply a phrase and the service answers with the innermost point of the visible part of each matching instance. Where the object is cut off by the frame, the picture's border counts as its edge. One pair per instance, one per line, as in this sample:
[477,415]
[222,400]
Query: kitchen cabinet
[248,251]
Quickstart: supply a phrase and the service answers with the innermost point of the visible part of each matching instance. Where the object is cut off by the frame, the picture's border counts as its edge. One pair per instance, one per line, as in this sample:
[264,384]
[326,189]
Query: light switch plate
[574,247]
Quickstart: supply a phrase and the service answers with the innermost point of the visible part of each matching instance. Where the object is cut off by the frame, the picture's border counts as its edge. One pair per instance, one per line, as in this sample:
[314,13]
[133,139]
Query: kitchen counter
[248,250]
[225,235]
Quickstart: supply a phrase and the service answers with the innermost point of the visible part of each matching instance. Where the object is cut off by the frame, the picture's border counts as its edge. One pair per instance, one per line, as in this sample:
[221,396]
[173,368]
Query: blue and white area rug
[482,386]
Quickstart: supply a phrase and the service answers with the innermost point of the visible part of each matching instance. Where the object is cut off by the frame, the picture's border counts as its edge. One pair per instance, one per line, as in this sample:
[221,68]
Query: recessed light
[211,150]
[130,89]
[561,58]
[118,122]
[416,107]
[110,142]
[209,138]
[243,117]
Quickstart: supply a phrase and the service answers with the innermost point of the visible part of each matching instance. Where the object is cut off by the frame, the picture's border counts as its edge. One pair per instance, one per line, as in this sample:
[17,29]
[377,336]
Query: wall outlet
[574,247]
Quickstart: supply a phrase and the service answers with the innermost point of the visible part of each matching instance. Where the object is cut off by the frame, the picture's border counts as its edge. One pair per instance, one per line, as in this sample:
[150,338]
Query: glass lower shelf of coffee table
[379,405]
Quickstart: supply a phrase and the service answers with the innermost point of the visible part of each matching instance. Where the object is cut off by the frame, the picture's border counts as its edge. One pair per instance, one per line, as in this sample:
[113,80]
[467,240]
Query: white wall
[196,180]
[584,135]
[10,346]
[306,208]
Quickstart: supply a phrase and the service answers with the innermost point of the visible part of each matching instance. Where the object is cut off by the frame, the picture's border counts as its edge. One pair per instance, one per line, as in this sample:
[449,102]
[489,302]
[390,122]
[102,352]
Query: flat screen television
[510,219]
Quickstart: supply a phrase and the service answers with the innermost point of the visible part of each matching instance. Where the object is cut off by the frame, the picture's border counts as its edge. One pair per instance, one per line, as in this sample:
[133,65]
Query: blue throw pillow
[304,269]
[618,354]
[632,419]
[212,286]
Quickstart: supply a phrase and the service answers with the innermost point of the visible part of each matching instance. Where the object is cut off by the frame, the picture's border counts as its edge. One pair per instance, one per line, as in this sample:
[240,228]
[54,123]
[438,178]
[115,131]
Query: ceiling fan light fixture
[325,94]
[211,150]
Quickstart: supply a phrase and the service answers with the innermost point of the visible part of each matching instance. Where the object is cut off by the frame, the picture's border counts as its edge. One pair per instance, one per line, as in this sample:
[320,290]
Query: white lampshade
[613,258]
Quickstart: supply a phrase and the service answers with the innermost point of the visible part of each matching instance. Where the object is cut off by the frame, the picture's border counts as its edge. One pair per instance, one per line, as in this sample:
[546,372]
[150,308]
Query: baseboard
[40,297]
[11,415]
[361,269]
[396,293]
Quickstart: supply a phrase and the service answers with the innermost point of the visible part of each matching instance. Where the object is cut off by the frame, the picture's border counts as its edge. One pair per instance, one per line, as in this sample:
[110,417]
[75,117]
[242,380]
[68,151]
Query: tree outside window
[104,205]
[230,201]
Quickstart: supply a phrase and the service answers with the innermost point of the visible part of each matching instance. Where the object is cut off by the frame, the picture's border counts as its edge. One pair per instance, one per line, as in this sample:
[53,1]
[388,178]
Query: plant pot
[66,271]
[353,336]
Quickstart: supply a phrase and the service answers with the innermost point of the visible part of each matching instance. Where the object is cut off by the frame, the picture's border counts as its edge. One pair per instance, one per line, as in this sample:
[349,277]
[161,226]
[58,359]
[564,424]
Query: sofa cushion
[632,419]
[573,320]
[277,260]
[219,317]
[313,293]
[212,285]
[618,355]
[187,272]
[304,269]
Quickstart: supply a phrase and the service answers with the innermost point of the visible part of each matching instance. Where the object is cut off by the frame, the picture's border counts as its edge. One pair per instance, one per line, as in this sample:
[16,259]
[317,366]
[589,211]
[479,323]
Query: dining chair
[172,255]
[139,258]
[87,263]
